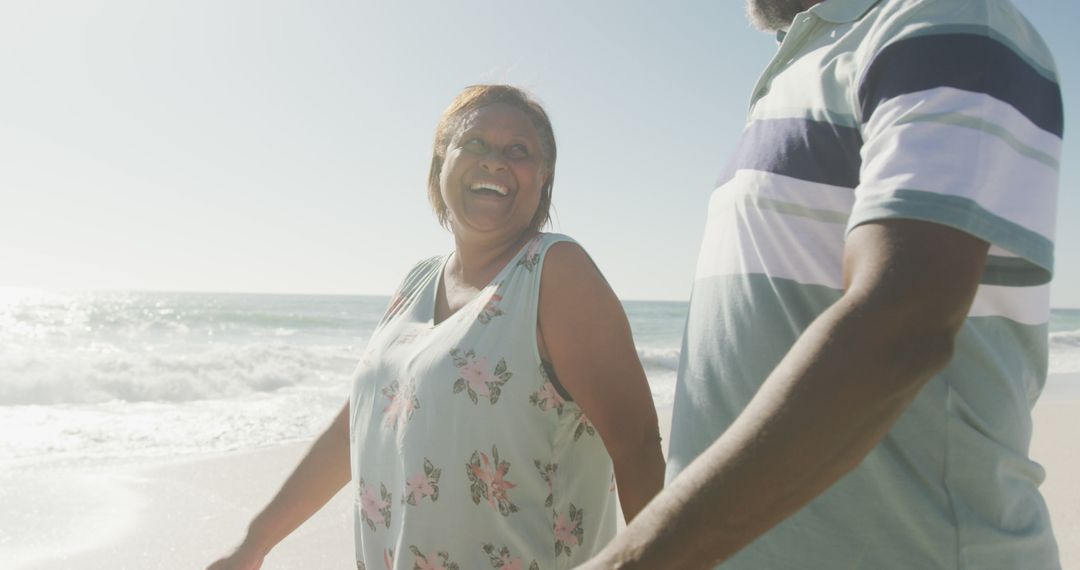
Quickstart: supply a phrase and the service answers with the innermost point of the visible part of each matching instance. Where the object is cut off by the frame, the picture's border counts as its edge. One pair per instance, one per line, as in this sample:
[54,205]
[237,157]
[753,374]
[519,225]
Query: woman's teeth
[488,187]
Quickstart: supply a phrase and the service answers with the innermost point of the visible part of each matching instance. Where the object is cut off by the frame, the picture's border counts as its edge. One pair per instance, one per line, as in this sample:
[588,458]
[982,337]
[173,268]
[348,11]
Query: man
[867,332]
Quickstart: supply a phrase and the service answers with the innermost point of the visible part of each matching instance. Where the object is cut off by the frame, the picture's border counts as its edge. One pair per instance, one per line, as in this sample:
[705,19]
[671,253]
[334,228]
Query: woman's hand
[318,477]
[244,558]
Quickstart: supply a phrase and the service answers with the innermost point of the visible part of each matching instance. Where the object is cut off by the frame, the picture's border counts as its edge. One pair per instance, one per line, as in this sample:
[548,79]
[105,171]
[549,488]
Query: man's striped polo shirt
[946,111]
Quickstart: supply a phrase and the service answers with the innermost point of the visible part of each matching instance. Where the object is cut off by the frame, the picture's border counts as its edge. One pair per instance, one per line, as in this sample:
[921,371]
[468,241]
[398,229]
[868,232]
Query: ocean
[121,377]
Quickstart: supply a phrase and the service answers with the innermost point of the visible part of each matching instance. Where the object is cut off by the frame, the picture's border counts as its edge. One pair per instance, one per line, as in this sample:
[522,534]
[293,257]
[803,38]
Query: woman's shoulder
[564,254]
[423,268]
[549,238]
[555,248]
[568,269]
[427,265]
[420,273]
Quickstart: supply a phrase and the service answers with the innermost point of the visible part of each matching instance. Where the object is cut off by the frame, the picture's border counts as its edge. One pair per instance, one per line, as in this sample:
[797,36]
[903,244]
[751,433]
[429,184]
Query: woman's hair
[472,98]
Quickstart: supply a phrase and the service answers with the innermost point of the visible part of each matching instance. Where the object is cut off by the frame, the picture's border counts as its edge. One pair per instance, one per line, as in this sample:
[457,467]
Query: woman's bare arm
[317,478]
[585,332]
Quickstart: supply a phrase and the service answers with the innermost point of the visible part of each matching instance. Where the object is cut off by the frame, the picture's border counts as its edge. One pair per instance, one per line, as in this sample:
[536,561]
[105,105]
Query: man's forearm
[828,403]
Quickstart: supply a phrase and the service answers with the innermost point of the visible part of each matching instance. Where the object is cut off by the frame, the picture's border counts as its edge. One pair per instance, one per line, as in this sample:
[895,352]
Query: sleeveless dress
[464,454]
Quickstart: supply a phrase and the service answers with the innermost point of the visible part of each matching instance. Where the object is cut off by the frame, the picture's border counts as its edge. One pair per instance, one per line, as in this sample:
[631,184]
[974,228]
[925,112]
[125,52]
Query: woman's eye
[475,145]
[517,151]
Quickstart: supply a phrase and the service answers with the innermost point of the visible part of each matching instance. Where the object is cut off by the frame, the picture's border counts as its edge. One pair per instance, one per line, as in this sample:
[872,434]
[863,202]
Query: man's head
[772,15]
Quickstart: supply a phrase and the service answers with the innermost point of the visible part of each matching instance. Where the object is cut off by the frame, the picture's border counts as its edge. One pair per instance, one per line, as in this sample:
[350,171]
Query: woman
[511,352]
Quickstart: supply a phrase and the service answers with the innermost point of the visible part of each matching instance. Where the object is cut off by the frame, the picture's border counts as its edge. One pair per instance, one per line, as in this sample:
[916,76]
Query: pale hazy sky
[269,146]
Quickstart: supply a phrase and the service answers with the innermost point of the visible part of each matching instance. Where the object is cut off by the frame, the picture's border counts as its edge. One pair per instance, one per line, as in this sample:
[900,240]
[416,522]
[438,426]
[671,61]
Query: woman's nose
[493,162]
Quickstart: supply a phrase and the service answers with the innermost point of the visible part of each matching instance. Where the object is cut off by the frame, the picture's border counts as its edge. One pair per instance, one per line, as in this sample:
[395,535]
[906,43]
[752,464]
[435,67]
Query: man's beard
[772,15]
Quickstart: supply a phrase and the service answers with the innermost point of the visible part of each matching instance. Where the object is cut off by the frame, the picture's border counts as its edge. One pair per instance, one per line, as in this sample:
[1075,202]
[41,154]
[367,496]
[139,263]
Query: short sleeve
[962,127]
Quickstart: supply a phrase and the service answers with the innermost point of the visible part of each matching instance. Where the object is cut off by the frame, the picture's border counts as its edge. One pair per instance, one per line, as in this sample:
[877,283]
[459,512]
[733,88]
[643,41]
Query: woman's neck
[478,262]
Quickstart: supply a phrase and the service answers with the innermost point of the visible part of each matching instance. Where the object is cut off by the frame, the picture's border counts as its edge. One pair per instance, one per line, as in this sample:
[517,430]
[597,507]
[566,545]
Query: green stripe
[1011,272]
[808,114]
[827,216]
[966,121]
[965,214]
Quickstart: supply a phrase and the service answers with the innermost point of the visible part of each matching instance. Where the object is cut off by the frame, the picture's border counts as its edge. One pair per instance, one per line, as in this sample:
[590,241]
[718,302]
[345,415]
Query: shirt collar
[835,11]
[842,11]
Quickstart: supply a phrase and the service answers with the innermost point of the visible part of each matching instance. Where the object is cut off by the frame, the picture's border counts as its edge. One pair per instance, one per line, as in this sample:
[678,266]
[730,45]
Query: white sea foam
[659,358]
[107,376]
[1065,352]
[1064,340]
[103,373]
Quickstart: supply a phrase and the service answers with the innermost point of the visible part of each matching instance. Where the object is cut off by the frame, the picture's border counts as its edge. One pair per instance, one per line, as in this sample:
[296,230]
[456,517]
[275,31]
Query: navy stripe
[969,62]
[815,151]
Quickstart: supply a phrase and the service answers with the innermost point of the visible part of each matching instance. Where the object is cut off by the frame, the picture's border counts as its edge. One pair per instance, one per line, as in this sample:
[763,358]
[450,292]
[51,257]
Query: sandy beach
[183,515]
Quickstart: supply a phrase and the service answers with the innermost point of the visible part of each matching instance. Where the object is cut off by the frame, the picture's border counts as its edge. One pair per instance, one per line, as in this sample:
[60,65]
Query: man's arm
[838,391]
[320,475]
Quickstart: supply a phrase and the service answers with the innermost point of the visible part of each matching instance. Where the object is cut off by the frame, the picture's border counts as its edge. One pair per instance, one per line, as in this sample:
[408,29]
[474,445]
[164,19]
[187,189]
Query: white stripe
[788,189]
[964,162]
[944,100]
[1026,305]
[741,239]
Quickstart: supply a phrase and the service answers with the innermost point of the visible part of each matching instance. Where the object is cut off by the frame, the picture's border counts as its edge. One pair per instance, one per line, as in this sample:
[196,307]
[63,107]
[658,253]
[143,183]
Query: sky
[282,147]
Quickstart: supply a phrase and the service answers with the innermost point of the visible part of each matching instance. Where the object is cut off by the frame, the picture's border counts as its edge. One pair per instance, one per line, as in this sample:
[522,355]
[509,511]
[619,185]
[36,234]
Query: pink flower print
[547,397]
[418,486]
[490,310]
[372,506]
[476,378]
[375,509]
[502,559]
[487,477]
[568,530]
[532,254]
[388,558]
[423,484]
[433,561]
[403,402]
[564,531]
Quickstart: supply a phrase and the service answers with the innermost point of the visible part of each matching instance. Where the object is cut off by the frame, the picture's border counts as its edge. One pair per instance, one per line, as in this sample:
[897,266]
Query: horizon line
[4,288]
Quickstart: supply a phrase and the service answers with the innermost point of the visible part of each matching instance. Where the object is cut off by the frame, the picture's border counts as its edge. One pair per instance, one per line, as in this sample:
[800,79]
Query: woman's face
[493,173]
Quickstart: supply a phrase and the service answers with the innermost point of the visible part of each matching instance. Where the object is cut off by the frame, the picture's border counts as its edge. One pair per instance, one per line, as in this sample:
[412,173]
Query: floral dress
[464,454]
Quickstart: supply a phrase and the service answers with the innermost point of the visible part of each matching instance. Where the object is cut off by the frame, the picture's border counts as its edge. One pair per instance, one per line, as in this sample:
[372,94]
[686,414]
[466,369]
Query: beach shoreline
[187,513]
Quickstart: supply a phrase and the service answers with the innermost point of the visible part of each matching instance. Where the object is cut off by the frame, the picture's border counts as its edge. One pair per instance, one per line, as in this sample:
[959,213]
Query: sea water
[104,377]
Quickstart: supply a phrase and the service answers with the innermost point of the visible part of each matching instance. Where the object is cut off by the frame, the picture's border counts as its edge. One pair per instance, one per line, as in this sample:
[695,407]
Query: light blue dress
[464,454]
